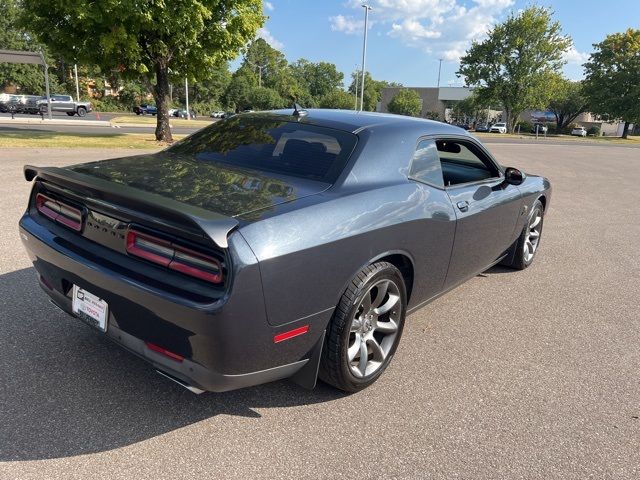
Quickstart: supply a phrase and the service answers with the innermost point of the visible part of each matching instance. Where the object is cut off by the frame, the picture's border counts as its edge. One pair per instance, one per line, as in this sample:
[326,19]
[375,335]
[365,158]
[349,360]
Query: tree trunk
[626,130]
[161,94]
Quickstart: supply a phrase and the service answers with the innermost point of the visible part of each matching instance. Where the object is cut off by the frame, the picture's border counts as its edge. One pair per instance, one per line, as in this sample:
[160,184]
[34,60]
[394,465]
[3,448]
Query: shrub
[406,102]
[525,127]
[594,131]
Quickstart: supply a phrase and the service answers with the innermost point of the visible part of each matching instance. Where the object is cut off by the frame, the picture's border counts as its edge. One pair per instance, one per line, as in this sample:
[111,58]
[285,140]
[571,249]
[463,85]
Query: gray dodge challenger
[283,244]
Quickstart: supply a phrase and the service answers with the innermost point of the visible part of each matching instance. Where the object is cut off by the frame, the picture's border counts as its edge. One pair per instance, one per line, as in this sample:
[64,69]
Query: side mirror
[513,176]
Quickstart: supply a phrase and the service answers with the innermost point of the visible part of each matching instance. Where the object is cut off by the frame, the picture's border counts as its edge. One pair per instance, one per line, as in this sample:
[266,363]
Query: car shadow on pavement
[67,390]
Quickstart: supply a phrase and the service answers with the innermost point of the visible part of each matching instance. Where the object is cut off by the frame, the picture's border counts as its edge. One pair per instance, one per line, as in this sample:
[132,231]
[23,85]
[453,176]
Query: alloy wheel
[534,229]
[374,328]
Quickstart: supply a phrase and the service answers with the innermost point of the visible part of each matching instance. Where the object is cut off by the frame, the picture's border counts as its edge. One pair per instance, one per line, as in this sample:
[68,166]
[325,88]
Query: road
[527,375]
[88,129]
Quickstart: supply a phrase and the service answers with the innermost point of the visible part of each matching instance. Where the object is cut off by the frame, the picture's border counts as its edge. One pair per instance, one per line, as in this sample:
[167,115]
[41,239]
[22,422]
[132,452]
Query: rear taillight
[59,212]
[174,257]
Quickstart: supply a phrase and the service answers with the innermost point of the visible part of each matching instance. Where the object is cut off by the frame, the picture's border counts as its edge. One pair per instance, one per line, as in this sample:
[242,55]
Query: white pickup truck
[65,103]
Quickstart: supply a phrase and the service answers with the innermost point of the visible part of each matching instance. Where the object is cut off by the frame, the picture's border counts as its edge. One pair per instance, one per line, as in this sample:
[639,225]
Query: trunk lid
[213,186]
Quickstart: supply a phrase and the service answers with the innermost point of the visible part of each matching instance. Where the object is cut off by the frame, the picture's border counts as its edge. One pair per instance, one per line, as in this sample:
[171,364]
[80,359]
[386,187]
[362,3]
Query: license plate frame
[90,308]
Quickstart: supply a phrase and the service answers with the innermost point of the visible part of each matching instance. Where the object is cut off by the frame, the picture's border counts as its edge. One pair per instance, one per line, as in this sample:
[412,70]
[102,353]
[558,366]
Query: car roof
[354,121]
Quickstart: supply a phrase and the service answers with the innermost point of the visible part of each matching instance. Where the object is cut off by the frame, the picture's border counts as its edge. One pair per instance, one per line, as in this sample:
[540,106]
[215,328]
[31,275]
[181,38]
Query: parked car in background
[19,103]
[278,244]
[483,127]
[182,113]
[145,109]
[579,131]
[541,128]
[218,114]
[499,127]
[462,125]
[66,104]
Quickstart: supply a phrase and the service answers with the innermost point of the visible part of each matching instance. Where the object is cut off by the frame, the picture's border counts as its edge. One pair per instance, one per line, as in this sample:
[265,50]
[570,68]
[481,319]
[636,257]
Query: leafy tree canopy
[372,89]
[567,100]
[319,79]
[146,38]
[338,98]
[515,63]
[28,78]
[406,102]
[612,82]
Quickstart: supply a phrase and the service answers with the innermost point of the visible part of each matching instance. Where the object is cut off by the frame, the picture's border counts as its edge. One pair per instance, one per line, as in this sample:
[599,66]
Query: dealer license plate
[90,308]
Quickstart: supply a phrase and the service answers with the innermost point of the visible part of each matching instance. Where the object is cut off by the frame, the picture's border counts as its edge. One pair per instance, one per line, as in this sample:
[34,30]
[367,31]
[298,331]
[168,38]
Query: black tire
[81,111]
[519,259]
[335,367]
[71,114]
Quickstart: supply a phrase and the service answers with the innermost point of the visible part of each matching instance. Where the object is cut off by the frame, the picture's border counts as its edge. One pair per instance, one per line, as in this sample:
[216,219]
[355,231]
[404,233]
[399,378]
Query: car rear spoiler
[216,226]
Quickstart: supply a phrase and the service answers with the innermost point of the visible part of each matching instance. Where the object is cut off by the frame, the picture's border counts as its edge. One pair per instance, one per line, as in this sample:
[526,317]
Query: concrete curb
[37,121]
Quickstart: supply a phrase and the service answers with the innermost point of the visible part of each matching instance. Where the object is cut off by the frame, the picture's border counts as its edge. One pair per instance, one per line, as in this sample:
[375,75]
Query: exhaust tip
[191,388]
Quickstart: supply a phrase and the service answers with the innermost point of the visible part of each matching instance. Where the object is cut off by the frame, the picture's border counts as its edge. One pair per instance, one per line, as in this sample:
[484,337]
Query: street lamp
[356,79]
[364,53]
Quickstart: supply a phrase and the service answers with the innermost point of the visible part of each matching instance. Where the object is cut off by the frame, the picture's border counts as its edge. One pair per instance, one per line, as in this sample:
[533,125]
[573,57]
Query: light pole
[357,79]
[364,53]
[186,97]
[75,71]
[439,69]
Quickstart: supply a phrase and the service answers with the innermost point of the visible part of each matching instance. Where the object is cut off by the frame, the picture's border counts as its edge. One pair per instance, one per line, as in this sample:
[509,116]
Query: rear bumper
[225,345]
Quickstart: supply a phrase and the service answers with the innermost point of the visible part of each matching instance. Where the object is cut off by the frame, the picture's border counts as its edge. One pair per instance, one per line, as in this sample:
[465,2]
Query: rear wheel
[82,111]
[366,328]
[71,114]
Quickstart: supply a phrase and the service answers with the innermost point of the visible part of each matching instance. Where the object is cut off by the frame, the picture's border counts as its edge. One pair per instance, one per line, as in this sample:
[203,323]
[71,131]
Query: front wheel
[82,111]
[365,329]
[527,244]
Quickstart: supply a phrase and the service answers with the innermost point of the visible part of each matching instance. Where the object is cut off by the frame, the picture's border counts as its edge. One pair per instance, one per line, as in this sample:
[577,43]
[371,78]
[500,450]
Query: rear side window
[266,144]
[425,164]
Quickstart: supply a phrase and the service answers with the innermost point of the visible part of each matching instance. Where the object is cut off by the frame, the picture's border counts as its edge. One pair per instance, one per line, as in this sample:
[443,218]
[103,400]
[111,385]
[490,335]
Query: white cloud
[574,57]
[270,39]
[348,25]
[443,27]
[269,6]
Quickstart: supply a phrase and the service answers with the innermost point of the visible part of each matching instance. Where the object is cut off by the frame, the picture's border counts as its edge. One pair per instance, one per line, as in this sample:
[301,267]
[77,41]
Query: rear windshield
[270,145]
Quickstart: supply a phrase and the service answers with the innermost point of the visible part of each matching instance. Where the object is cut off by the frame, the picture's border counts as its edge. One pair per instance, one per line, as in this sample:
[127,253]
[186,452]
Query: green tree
[406,102]
[567,101]
[319,79]
[516,61]
[263,98]
[612,83]
[372,89]
[338,98]
[147,39]
[29,79]
[236,95]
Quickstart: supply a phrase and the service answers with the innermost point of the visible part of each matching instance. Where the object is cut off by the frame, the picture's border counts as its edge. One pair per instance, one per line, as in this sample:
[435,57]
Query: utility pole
[75,72]
[439,69]
[364,53]
[186,96]
[259,67]
[357,79]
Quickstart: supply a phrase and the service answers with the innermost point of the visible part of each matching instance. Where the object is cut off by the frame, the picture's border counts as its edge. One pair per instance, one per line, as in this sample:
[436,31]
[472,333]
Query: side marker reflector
[281,337]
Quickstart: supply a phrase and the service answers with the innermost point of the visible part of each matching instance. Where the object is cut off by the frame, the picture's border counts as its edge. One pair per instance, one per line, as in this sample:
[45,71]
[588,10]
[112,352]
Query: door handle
[463,206]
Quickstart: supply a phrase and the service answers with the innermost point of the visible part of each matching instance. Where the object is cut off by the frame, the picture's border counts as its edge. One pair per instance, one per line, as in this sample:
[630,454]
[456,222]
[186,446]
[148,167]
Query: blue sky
[407,37]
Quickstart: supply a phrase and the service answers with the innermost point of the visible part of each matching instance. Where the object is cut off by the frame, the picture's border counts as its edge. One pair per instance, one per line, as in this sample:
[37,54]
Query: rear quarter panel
[308,255]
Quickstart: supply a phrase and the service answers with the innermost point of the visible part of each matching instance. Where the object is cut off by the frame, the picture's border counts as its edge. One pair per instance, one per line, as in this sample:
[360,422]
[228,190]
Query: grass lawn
[631,140]
[151,120]
[35,139]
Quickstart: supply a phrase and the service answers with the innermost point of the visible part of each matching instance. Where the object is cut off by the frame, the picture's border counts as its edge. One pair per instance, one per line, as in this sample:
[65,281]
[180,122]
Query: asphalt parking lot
[531,374]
